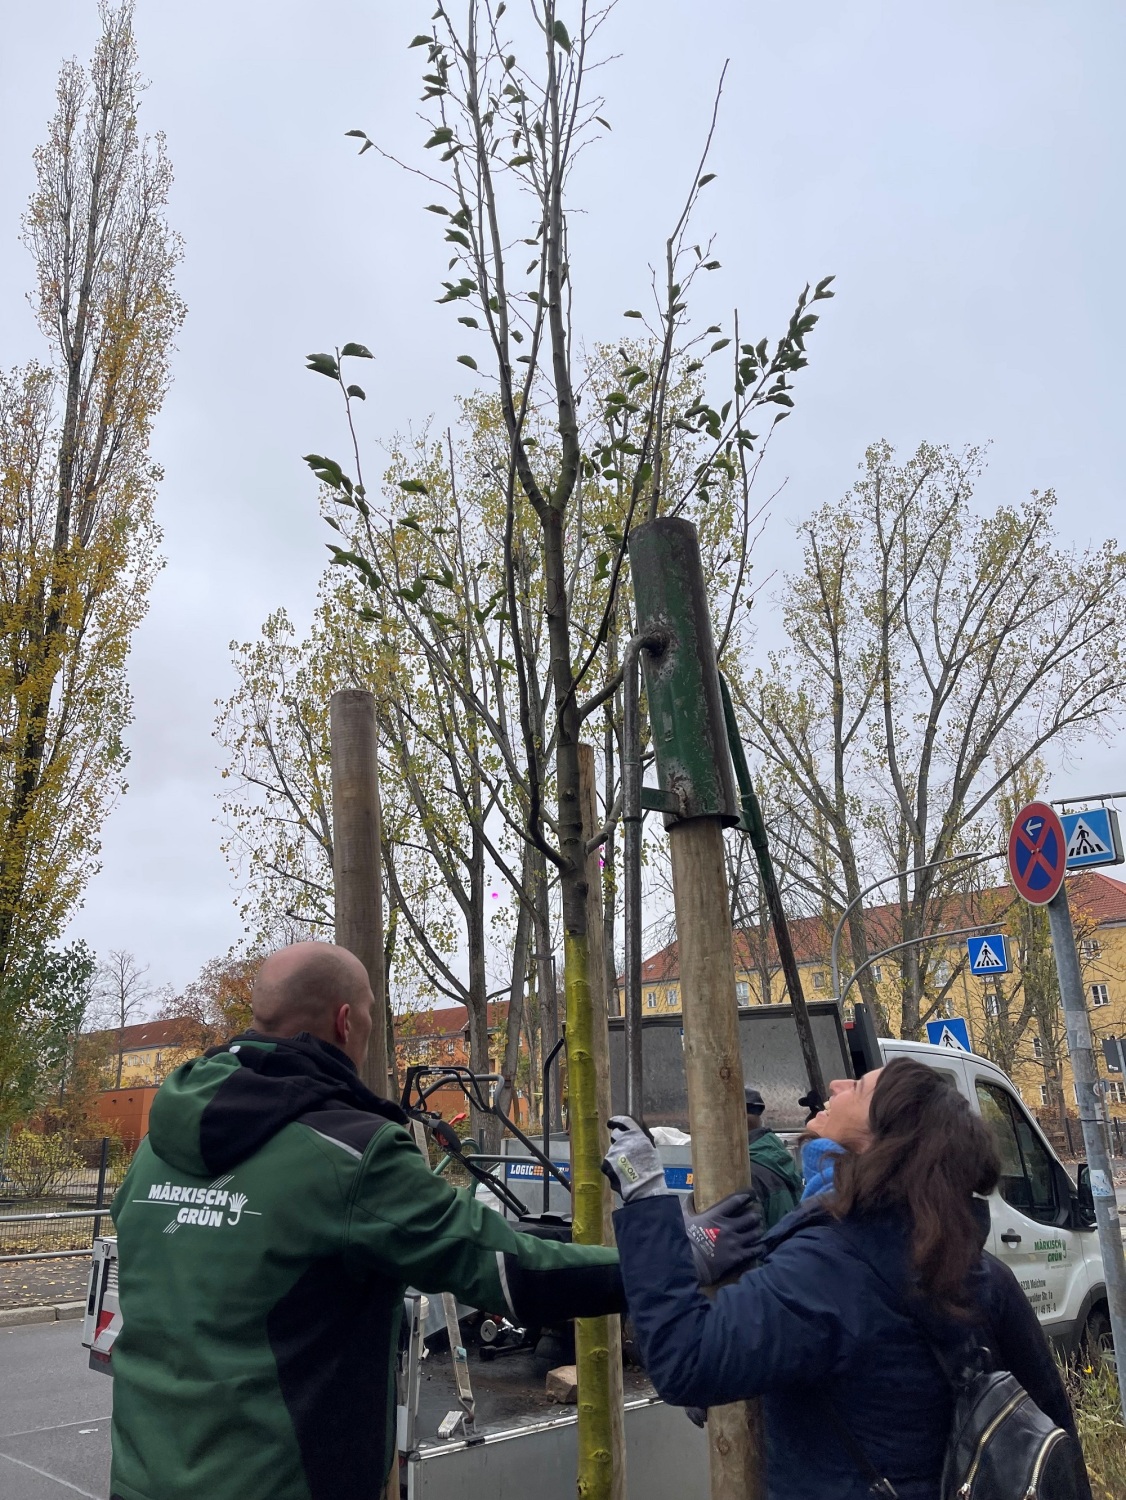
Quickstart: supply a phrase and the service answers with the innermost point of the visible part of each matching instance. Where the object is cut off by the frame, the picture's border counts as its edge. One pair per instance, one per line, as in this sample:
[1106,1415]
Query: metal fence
[1068,1141]
[55,1193]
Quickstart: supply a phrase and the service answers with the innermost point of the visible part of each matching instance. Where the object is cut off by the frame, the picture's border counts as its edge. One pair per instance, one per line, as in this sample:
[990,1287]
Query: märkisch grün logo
[1055,1249]
[211,1207]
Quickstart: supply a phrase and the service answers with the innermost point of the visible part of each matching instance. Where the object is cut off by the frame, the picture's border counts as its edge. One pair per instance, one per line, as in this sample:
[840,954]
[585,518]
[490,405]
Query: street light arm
[978,855]
[929,937]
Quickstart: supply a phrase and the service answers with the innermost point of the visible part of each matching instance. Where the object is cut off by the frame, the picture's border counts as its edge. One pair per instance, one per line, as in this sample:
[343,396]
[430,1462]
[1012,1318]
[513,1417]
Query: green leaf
[358,392]
[520,161]
[719,344]
[421,41]
[356,351]
[323,364]
[707,177]
[413,487]
[455,237]
[361,134]
[561,37]
[632,313]
[469,322]
[441,137]
[606,123]
[436,208]
[326,469]
[711,265]
[467,359]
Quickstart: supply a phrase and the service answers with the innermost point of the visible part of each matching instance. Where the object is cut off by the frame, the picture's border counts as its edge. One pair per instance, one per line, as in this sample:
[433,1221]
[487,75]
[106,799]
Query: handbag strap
[878,1484]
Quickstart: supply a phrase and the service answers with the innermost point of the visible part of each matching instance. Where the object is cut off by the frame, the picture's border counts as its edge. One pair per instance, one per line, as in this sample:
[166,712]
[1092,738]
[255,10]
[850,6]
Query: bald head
[318,988]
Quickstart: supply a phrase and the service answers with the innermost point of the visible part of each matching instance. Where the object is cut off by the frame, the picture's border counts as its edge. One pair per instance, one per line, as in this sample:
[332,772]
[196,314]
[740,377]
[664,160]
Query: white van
[1043,1225]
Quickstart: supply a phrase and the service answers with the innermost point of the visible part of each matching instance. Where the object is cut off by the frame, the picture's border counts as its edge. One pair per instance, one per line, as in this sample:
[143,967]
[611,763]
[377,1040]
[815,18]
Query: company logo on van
[1056,1250]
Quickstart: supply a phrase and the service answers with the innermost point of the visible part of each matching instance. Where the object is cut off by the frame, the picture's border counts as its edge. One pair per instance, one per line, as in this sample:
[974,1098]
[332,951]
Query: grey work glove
[726,1238]
[632,1163]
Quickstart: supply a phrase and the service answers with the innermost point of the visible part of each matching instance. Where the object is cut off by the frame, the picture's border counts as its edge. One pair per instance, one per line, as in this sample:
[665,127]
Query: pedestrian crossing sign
[952,1033]
[988,955]
[1092,838]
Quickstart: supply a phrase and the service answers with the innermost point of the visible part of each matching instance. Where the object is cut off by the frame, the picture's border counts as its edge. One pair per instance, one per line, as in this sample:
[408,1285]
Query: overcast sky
[958,167]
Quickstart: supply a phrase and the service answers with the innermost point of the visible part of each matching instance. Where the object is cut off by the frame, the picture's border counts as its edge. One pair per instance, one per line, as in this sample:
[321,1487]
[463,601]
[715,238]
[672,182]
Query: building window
[992,1003]
[1037,1048]
[670,998]
[878,973]
[449,1049]
[651,1000]
[1043,1093]
[1115,1091]
[1092,948]
[941,971]
[820,979]
[742,992]
[1099,995]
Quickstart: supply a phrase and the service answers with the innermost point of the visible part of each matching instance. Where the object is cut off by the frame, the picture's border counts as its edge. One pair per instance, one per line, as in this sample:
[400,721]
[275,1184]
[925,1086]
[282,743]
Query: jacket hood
[217,1110]
[768,1149]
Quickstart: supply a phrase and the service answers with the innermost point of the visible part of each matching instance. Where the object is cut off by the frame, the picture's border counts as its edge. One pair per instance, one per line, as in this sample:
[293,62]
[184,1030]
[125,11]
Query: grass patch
[1098,1415]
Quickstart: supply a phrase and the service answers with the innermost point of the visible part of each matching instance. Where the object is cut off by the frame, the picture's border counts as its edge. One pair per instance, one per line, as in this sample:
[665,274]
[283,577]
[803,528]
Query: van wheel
[1098,1341]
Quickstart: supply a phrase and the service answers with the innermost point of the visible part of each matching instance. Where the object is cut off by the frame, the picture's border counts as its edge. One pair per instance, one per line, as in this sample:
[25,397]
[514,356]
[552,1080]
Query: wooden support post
[356,862]
[717,1115]
[611,1337]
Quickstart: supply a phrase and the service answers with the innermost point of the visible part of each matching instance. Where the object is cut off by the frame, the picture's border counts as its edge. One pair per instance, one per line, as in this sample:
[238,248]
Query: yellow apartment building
[1003,1025]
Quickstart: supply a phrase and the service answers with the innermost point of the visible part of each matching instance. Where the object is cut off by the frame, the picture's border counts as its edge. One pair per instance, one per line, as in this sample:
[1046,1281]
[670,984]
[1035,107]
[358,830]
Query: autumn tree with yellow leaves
[78,536]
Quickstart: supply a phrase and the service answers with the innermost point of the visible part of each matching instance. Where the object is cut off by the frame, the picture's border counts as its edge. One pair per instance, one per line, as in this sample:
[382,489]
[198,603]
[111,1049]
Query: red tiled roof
[1096,897]
[146,1036]
[445,1021]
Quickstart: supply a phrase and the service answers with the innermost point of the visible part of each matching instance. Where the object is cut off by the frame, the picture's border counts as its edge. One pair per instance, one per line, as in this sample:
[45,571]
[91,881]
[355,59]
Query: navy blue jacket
[821,1321]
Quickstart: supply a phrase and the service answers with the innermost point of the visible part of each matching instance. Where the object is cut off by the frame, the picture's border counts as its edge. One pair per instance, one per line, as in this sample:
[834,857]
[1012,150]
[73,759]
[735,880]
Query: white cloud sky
[958,167]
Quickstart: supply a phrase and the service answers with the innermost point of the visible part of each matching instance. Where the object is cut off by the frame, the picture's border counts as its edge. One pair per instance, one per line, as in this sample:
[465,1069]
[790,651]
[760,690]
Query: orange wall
[127,1110]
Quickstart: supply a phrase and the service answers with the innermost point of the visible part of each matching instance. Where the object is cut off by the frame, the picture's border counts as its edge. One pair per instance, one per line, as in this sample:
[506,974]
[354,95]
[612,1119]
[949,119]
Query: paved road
[54,1416]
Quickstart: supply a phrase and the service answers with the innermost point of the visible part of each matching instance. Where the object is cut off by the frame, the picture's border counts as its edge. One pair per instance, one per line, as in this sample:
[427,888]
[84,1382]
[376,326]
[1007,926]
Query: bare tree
[122,994]
[933,653]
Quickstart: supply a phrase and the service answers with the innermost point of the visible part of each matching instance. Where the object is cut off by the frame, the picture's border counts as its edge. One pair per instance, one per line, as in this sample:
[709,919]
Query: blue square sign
[988,955]
[952,1033]
[1092,838]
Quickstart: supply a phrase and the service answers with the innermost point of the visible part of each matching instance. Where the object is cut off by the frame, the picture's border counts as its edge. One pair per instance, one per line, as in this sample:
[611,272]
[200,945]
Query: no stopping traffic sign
[1037,853]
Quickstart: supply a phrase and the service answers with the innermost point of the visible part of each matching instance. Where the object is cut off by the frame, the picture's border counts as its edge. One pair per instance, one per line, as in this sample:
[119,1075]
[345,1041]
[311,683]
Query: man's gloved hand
[725,1238]
[632,1163]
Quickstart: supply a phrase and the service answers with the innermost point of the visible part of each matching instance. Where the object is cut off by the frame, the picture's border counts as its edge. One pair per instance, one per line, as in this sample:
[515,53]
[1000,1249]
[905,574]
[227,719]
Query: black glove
[697,1415]
[632,1163]
[725,1238]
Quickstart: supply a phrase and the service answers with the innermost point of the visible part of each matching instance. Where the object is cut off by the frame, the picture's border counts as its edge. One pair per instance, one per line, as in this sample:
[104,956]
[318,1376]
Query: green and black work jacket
[267,1230]
[775,1178]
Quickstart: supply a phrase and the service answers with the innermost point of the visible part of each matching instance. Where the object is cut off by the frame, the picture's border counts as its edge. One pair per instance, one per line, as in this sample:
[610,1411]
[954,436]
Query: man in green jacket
[775,1179]
[267,1230]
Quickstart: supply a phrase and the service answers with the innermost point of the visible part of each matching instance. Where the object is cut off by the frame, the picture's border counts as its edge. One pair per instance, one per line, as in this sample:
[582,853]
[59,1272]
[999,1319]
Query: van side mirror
[1084,1198]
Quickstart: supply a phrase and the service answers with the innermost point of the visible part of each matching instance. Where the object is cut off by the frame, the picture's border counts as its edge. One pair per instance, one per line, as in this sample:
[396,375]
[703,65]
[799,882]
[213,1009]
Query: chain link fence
[51,1188]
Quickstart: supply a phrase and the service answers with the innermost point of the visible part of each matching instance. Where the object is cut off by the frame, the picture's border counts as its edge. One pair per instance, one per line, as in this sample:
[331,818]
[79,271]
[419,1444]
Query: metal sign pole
[1092,1118]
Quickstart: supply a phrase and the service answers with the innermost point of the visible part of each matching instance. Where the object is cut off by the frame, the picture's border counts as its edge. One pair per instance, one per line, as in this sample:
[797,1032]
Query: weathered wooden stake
[717,1115]
[356,863]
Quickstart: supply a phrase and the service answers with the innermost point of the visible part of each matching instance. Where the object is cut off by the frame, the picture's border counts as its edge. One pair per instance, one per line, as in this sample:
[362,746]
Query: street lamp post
[977,856]
[928,937]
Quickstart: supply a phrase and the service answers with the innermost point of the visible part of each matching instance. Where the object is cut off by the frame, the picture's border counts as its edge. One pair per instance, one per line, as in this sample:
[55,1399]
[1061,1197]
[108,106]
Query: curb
[60,1312]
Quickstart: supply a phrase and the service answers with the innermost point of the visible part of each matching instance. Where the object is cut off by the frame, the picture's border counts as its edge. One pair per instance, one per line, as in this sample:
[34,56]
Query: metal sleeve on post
[682,683]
